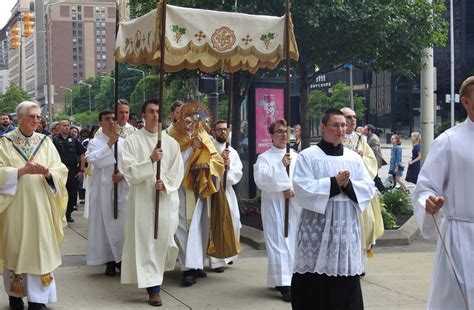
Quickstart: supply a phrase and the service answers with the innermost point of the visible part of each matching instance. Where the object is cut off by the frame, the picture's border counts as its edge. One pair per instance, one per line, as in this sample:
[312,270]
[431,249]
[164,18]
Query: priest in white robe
[333,187]
[444,193]
[272,179]
[33,200]
[124,128]
[144,258]
[234,174]
[371,222]
[105,237]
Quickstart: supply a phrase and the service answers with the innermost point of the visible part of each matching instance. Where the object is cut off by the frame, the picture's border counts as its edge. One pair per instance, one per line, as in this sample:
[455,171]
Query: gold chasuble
[371,219]
[205,163]
[204,170]
[31,209]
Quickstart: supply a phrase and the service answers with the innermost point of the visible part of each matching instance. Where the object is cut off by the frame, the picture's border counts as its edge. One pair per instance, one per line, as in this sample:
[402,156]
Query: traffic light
[15,37]
[28,23]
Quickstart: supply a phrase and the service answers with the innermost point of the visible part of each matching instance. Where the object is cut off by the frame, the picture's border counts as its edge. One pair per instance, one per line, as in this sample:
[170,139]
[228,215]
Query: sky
[5,11]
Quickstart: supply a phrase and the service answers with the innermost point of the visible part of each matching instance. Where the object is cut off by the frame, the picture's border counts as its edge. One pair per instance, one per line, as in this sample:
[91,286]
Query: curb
[402,236]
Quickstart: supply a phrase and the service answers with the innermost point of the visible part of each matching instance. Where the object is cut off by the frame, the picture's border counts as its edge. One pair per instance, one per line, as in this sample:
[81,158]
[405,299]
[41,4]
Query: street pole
[90,101]
[113,79]
[70,90]
[427,100]
[143,73]
[451,39]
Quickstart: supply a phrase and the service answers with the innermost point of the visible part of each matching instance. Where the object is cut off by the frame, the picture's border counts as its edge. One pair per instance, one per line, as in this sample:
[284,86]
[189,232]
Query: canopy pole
[160,110]
[117,21]
[287,103]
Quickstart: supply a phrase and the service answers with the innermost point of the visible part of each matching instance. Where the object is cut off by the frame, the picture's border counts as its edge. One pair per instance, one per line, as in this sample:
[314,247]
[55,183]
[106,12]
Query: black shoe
[69,220]
[218,270]
[285,293]
[230,263]
[16,303]
[75,208]
[189,277]
[199,273]
[110,269]
[36,306]
[119,266]
[362,274]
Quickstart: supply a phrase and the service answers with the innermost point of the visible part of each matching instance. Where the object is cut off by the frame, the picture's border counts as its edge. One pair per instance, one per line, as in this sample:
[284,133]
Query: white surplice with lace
[328,237]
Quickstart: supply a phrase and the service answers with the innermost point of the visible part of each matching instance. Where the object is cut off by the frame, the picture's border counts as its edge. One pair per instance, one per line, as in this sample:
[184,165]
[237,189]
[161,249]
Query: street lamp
[144,73]
[90,106]
[109,78]
[70,90]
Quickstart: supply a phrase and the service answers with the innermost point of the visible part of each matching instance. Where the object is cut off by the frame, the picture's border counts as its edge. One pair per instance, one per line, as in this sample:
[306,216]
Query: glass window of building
[97,41]
[74,33]
[103,33]
[79,8]
[103,41]
[104,57]
[97,9]
[98,65]
[97,33]
[79,16]
[103,49]
[98,49]
[98,56]
[74,49]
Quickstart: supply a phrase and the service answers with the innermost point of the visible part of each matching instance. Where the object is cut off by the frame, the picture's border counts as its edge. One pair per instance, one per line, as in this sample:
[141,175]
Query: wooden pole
[117,21]
[160,111]
[287,103]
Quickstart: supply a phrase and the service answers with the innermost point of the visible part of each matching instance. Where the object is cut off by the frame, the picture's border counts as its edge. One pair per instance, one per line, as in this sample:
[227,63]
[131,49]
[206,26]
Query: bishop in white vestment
[333,187]
[105,237]
[272,179]
[144,258]
[445,190]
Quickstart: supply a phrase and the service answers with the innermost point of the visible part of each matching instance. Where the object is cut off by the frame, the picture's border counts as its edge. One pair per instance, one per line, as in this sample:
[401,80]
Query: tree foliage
[12,97]
[338,98]
[370,34]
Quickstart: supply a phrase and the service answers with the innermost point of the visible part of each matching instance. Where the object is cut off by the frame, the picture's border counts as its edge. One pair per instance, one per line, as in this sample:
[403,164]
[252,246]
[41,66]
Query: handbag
[401,168]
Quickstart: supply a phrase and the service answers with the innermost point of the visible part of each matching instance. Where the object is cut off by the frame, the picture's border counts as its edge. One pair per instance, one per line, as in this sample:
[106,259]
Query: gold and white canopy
[205,40]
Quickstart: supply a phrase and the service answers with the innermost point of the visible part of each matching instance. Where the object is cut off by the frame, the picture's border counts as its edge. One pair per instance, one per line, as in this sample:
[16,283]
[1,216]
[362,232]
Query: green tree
[370,34]
[338,98]
[12,97]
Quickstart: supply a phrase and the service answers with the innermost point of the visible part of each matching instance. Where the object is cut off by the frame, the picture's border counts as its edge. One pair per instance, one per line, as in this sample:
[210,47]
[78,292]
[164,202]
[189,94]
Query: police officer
[72,156]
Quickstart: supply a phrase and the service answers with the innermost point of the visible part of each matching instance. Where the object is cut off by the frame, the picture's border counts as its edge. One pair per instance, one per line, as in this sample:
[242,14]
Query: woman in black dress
[414,164]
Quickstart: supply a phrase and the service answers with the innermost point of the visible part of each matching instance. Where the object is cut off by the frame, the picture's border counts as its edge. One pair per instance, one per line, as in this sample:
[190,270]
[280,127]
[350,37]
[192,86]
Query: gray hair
[22,108]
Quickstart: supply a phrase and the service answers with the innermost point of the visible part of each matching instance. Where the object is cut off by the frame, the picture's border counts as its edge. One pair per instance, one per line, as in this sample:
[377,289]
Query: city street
[397,277]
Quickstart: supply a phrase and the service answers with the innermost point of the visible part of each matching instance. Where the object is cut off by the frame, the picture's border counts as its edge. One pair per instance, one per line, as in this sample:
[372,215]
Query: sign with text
[269,106]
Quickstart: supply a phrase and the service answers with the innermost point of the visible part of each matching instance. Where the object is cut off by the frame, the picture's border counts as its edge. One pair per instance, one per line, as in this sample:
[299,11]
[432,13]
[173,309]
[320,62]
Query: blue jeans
[153,290]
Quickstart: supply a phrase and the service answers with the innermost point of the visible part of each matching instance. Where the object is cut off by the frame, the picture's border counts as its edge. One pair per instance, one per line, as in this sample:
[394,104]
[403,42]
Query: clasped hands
[342,178]
[34,168]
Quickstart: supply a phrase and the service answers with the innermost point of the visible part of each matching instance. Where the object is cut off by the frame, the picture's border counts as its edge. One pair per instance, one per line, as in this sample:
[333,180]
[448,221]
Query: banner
[269,106]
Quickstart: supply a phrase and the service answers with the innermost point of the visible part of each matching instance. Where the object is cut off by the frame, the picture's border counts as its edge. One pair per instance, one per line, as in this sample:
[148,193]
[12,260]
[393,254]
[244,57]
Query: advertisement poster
[269,106]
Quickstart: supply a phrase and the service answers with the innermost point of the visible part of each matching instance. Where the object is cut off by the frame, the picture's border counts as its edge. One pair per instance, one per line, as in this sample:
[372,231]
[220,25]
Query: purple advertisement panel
[269,106]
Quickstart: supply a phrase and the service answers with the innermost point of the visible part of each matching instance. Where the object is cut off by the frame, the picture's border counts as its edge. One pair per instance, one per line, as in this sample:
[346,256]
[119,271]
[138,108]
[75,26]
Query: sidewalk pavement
[397,278]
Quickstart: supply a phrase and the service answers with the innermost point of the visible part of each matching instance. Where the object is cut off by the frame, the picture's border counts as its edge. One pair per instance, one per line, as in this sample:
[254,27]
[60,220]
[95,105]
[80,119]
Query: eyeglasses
[337,126]
[281,132]
[34,117]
